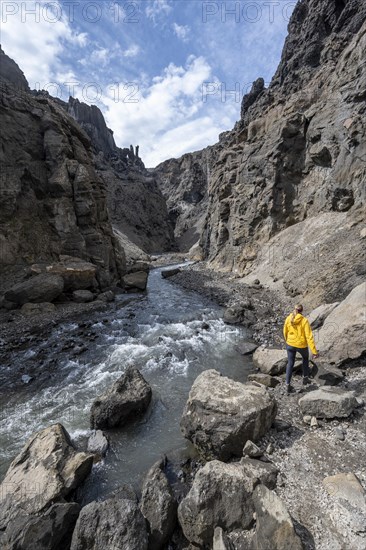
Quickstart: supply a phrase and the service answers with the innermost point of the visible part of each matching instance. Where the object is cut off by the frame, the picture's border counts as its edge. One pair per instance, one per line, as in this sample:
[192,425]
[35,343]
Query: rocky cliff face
[297,152]
[136,205]
[53,200]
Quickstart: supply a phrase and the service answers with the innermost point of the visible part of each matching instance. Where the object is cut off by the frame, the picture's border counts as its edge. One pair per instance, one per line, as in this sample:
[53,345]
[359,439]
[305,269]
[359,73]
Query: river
[170,334]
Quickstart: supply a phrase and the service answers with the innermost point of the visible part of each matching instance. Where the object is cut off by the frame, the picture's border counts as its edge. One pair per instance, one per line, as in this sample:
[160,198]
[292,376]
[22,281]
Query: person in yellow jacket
[299,338]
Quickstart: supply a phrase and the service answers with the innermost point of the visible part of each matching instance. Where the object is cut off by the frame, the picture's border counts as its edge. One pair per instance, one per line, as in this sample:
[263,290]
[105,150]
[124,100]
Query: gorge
[185,272]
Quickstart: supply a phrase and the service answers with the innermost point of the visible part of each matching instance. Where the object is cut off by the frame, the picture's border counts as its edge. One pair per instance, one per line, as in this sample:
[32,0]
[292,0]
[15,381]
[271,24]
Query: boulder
[41,288]
[112,524]
[129,396]
[46,471]
[347,487]
[328,402]
[245,348]
[241,313]
[82,296]
[251,449]
[98,443]
[37,309]
[166,273]
[221,494]
[341,339]
[270,361]
[261,472]
[49,530]
[107,296]
[265,379]
[158,506]
[222,414]
[326,375]
[137,280]
[274,523]
[317,317]
[77,274]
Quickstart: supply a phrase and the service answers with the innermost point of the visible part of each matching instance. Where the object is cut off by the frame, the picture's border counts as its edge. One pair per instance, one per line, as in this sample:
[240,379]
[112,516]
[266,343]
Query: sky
[168,75]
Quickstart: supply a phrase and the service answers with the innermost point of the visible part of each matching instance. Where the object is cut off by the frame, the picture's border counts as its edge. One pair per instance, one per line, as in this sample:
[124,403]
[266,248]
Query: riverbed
[169,333]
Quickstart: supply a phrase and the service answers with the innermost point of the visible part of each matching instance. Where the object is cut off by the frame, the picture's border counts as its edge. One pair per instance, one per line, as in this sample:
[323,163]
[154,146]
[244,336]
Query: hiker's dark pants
[291,354]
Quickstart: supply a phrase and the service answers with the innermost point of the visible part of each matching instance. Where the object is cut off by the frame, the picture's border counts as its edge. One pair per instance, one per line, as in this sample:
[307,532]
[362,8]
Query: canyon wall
[297,153]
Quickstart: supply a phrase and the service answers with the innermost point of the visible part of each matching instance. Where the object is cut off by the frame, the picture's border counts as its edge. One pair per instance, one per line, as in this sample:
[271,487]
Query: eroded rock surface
[221,415]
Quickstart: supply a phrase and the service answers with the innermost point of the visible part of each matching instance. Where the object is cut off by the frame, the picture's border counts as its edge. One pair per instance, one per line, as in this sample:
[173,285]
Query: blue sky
[163,72]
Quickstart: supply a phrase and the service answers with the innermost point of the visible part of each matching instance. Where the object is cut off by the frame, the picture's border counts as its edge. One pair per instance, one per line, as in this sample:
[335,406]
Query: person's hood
[298,319]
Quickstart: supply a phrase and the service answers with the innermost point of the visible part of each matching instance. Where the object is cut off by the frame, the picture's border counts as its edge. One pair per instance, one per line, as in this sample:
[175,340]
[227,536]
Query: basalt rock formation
[297,156]
[53,200]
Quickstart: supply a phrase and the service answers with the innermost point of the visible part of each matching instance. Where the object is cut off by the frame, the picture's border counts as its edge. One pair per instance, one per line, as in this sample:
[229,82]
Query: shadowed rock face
[298,152]
[53,200]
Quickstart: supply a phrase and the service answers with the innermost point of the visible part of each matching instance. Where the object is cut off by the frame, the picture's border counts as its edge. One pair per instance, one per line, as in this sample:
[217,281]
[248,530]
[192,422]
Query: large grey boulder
[158,506]
[221,495]
[46,471]
[41,288]
[264,379]
[261,472]
[274,527]
[129,397]
[270,361]
[112,524]
[328,402]
[221,415]
[76,273]
[51,530]
[136,281]
[98,443]
[341,339]
[82,296]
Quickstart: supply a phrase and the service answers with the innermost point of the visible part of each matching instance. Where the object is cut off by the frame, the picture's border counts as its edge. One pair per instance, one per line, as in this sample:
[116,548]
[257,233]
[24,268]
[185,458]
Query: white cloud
[100,56]
[36,41]
[157,8]
[169,117]
[182,31]
[132,51]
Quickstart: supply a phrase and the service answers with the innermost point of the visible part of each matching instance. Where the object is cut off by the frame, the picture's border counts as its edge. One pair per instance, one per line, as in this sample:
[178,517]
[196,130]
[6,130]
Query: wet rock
[273,522]
[270,361]
[221,494]
[37,309]
[261,472]
[49,530]
[137,280]
[98,443]
[328,402]
[245,348]
[38,289]
[107,296]
[166,273]
[221,541]
[265,379]
[222,414]
[241,313]
[82,296]
[46,471]
[112,524]
[129,397]
[251,449]
[158,506]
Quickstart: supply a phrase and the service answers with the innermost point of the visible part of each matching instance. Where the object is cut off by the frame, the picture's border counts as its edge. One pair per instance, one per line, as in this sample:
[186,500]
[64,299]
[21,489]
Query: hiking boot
[305,381]
[289,388]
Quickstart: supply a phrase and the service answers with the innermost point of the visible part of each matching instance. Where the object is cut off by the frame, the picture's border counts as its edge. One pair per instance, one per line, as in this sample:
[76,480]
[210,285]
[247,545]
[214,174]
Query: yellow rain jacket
[298,334]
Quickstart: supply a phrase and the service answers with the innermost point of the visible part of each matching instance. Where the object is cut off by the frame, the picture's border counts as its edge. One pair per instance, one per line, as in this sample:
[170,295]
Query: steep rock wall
[53,201]
[299,149]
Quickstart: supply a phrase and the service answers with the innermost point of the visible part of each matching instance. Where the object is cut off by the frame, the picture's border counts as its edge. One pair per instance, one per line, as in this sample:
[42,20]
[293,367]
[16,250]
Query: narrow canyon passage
[169,334]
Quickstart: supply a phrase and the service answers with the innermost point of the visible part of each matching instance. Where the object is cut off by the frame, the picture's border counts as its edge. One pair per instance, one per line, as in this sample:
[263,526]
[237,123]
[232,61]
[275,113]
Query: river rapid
[170,334]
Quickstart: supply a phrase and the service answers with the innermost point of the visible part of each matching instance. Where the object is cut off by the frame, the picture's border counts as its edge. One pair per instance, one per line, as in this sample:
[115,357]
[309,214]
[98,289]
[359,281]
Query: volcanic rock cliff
[285,189]
[53,201]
